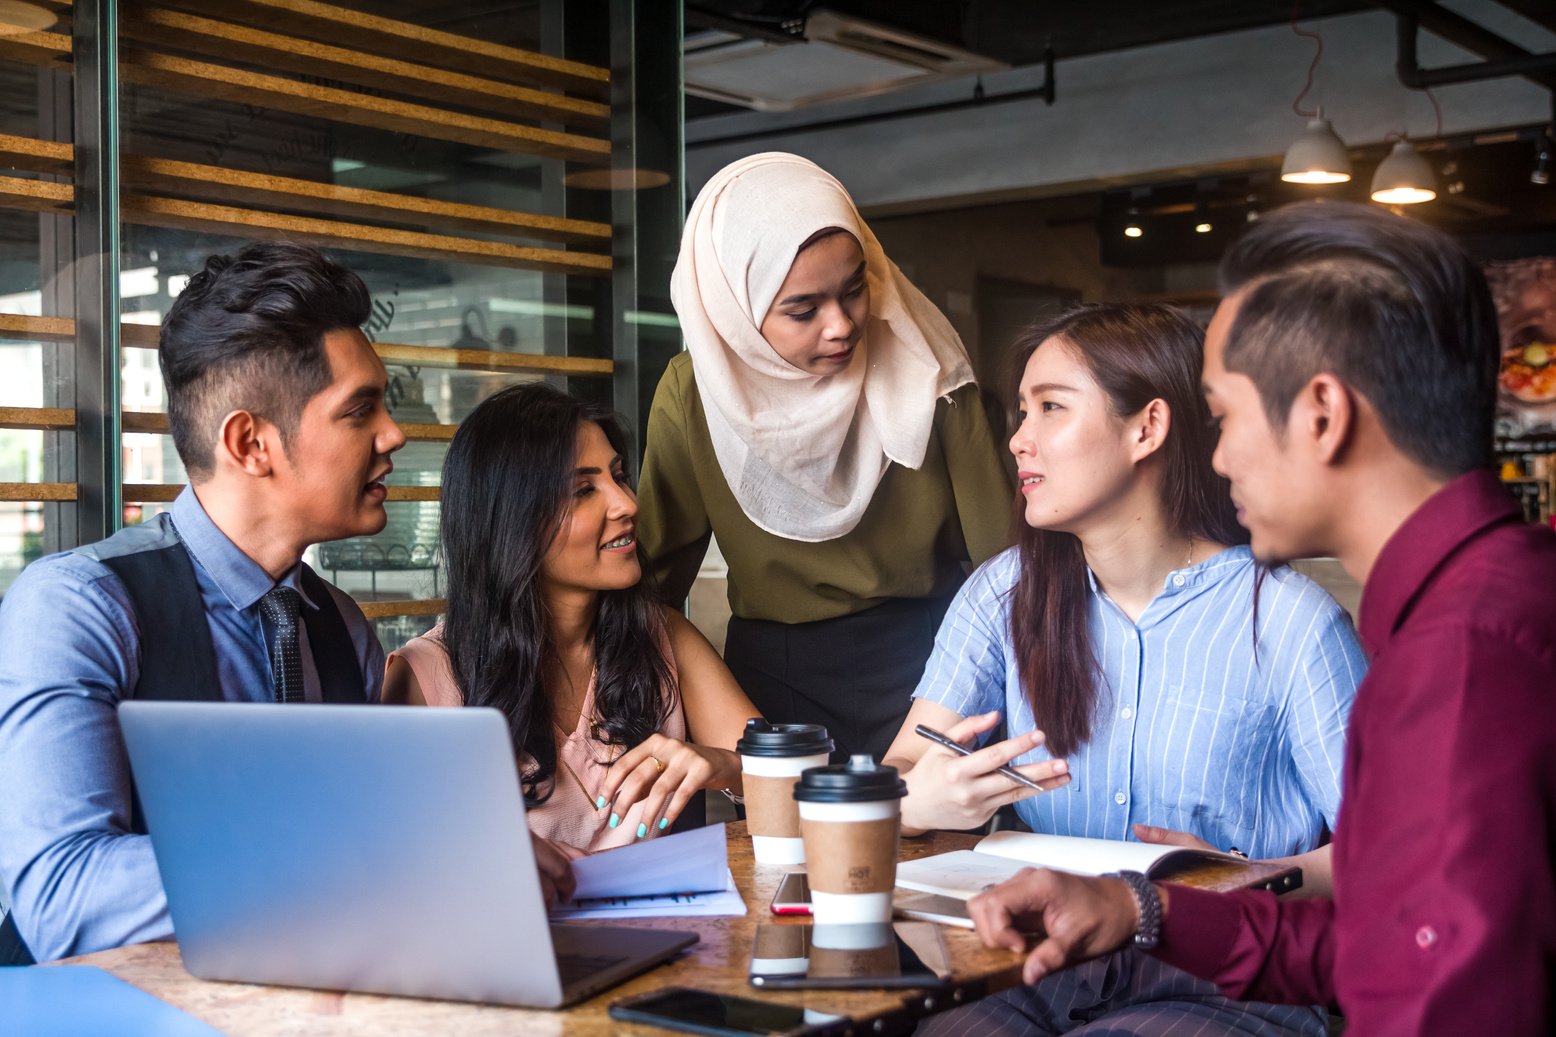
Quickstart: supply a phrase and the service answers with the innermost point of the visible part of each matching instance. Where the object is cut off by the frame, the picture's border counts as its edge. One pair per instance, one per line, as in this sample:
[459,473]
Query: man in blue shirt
[276,406]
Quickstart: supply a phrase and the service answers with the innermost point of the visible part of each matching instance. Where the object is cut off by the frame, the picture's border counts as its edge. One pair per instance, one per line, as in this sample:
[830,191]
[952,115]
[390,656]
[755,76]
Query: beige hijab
[803,453]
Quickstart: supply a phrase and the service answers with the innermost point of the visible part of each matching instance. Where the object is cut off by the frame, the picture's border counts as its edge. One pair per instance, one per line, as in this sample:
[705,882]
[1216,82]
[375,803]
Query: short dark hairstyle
[247,333]
[1393,308]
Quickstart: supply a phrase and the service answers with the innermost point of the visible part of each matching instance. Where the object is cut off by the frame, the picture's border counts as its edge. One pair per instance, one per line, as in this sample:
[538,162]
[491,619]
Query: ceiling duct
[840,57]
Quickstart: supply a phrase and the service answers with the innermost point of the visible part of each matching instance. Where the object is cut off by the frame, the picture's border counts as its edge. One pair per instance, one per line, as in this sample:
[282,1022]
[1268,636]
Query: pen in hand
[961,750]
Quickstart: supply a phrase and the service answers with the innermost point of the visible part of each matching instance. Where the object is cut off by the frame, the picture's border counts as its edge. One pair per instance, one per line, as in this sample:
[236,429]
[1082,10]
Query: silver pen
[961,750]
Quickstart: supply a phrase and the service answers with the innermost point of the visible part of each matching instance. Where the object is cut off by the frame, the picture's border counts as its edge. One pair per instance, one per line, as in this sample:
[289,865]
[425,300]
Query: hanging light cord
[1394,135]
[1296,106]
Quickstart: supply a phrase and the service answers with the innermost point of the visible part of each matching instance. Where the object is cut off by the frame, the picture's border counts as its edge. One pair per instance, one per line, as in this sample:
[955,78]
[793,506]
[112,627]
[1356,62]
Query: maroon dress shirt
[1444,912]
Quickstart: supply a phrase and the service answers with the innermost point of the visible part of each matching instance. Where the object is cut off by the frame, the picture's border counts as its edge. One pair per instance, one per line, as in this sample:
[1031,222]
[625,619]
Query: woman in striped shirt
[1150,674]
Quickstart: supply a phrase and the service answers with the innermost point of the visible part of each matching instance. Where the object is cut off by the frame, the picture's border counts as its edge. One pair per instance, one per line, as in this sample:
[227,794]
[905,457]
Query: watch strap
[1148,934]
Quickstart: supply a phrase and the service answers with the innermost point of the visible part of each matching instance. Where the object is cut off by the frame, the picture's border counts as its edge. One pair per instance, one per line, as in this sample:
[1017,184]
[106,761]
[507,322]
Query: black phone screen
[700,1011]
[845,956]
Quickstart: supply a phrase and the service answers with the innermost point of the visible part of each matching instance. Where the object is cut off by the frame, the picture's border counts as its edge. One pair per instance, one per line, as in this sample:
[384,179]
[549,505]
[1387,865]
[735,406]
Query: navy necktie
[280,606]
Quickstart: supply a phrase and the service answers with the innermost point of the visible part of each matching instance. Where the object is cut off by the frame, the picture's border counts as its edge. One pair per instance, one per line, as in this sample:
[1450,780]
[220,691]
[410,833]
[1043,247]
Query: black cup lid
[764,739]
[860,780]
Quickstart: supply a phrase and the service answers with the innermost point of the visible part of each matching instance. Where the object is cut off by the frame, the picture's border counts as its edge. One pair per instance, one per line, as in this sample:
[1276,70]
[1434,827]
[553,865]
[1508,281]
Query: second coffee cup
[772,758]
[850,819]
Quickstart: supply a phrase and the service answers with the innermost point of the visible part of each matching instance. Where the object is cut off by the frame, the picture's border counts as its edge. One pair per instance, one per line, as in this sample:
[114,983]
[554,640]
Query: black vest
[178,661]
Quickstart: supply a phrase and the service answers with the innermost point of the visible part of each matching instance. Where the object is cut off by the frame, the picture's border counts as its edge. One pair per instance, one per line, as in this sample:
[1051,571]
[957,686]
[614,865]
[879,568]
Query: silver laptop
[368,848]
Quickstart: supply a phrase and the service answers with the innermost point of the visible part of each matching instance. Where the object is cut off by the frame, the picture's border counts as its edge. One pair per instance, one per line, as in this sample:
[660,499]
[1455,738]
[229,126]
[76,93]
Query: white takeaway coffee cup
[772,758]
[851,821]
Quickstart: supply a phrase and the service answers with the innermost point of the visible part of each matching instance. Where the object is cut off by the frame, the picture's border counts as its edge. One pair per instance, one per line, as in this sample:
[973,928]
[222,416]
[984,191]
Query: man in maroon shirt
[1352,366]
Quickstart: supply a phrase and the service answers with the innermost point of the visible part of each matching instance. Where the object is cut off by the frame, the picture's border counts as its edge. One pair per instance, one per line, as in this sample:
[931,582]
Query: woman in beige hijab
[825,427]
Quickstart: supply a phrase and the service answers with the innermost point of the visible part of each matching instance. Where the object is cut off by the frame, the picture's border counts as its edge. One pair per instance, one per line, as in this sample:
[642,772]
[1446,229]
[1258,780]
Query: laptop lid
[367,848]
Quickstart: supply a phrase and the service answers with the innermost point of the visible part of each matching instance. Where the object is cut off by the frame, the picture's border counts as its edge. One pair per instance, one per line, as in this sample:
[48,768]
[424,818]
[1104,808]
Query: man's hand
[1172,837]
[1074,918]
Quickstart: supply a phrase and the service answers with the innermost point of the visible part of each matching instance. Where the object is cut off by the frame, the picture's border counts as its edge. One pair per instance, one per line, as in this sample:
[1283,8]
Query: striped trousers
[1123,993]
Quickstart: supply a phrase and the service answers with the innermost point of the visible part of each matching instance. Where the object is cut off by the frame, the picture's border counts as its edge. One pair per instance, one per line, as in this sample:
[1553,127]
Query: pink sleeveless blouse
[569,815]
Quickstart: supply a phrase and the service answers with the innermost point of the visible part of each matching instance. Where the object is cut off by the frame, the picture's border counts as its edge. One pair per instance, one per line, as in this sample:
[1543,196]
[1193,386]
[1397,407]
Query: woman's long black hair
[507,487]
[1136,353]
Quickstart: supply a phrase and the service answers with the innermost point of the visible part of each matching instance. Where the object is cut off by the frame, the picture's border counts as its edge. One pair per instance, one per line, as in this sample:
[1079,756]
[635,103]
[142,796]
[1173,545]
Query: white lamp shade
[1404,177]
[17,17]
[1317,157]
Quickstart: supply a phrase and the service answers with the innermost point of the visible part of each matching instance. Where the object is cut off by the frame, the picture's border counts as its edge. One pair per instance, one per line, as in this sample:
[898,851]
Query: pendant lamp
[1404,177]
[1318,156]
[18,16]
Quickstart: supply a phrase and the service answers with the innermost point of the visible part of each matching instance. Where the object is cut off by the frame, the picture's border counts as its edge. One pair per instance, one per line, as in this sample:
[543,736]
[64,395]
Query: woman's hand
[950,791]
[663,774]
[554,861]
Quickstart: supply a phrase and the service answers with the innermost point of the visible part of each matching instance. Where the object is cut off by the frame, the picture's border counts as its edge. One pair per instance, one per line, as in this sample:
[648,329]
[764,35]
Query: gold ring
[659,765]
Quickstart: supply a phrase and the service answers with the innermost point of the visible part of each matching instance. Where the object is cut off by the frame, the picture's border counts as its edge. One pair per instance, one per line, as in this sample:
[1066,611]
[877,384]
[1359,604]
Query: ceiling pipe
[1503,57]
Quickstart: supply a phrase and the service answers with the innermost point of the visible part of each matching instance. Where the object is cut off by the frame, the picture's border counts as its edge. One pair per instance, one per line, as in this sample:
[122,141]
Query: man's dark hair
[247,333]
[1393,308]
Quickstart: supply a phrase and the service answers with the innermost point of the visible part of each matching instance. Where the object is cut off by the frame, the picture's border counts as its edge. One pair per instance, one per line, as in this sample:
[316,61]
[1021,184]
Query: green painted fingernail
[664,822]
[615,820]
[599,804]
[642,830]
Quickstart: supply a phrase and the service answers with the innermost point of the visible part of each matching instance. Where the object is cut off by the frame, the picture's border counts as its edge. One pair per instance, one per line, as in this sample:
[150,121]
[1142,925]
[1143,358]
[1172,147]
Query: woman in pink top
[620,710]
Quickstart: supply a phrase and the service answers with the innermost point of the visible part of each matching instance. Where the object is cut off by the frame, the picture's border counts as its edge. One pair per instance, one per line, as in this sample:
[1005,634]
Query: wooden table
[717,962]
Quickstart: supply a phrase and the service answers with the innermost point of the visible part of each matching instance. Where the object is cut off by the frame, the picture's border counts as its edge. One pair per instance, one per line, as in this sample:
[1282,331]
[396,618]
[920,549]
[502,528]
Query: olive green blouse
[920,529]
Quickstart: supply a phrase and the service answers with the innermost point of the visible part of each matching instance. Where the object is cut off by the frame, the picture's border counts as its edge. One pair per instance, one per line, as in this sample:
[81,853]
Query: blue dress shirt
[1194,730]
[69,652]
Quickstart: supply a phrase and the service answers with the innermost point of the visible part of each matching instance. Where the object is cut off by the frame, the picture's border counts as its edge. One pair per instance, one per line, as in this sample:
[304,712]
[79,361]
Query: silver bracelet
[734,797]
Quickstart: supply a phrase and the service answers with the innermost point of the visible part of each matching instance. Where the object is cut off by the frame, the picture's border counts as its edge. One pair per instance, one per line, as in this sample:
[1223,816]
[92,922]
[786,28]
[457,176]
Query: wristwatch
[1149,933]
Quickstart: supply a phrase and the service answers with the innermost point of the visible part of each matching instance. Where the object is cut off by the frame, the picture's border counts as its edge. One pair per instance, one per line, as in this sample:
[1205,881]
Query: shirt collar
[241,580]
[1449,518]
[1184,584]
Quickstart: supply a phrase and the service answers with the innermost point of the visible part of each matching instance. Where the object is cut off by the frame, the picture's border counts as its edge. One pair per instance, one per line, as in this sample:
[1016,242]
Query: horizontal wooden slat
[37,491]
[36,329]
[227,41]
[208,81]
[45,49]
[155,211]
[389,609]
[37,156]
[151,210]
[47,418]
[35,195]
[412,42]
[423,433]
[157,493]
[144,336]
[482,360]
[245,188]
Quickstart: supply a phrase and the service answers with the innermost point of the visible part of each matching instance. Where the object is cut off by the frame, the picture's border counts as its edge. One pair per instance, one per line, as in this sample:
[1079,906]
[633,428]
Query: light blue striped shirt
[1191,731]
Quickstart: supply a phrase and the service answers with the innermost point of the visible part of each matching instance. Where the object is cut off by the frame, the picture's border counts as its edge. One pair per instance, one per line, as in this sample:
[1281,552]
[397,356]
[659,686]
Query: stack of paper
[683,875]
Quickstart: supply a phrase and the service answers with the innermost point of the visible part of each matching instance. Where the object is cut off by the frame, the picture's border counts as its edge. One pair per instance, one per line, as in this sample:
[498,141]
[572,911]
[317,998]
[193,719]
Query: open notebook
[965,873]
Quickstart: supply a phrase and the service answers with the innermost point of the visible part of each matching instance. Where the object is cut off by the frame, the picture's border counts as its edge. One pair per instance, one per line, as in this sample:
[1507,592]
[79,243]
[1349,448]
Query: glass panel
[35,281]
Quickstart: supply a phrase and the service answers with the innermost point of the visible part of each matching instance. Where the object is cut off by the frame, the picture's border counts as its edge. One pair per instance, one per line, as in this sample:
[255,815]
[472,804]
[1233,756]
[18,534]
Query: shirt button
[1126,712]
[1120,799]
[1426,937]
[1178,580]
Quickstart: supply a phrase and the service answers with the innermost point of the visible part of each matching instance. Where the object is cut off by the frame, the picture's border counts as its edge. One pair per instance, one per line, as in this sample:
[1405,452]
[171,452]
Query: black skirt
[854,674]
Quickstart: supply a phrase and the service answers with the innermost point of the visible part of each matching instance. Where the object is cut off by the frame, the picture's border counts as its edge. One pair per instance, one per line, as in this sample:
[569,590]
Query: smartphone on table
[793,896]
[848,957]
[724,1015]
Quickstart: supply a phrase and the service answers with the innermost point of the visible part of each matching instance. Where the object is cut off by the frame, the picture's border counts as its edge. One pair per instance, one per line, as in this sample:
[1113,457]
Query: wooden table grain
[717,962]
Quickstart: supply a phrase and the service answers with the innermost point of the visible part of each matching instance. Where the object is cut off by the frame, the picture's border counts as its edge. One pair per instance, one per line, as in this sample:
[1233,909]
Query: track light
[1132,228]
[1404,177]
[1203,228]
[1317,157]
[1541,173]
